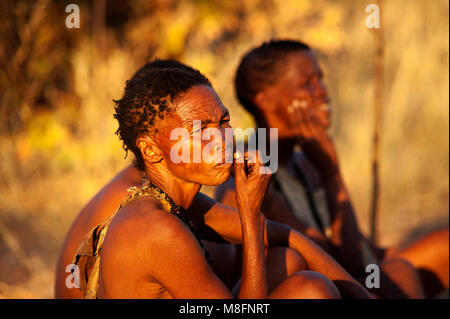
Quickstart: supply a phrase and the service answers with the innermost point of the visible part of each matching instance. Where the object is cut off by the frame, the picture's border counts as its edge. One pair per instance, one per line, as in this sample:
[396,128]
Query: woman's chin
[220,177]
[324,118]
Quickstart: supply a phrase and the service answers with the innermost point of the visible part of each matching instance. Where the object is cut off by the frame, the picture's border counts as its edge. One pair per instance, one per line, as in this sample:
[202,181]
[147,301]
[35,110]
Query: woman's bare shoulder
[143,223]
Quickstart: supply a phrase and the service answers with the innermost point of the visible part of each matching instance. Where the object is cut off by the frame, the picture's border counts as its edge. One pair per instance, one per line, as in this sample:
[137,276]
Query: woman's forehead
[304,62]
[200,103]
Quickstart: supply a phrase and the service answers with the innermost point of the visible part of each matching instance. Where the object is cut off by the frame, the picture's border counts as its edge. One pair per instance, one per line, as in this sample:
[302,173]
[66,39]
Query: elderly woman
[224,262]
[151,248]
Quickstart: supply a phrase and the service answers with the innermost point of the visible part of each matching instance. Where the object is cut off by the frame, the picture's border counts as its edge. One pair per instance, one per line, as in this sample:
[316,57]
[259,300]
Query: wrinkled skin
[141,232]
[298,105]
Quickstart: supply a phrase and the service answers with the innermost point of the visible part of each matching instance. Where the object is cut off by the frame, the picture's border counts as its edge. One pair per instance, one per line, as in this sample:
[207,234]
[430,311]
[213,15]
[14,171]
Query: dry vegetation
[57,142]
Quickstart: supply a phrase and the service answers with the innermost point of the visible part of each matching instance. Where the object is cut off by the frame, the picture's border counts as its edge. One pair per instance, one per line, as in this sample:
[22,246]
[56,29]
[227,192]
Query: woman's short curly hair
[148,97]
[262,66]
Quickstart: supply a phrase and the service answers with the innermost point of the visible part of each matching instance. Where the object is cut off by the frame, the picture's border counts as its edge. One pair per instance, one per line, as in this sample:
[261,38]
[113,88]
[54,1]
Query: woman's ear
[150,152]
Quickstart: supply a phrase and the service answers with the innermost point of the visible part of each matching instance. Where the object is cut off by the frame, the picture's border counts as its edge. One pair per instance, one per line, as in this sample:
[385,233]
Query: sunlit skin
[281,261]
[297,104]
[141,233]
[109,198]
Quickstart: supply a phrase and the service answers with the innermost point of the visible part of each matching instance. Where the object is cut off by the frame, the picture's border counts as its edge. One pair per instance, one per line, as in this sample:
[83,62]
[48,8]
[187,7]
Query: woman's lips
[226,157]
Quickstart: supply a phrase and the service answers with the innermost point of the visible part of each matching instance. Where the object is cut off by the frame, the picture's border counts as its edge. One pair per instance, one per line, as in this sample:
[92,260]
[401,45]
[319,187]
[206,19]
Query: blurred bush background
[57,142]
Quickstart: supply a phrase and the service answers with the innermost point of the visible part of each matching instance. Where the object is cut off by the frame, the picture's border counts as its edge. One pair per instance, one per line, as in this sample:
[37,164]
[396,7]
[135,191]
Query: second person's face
[302,80]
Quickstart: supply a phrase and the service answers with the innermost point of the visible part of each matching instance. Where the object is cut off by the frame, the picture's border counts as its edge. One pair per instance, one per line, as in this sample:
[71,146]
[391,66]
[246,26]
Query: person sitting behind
[281,84]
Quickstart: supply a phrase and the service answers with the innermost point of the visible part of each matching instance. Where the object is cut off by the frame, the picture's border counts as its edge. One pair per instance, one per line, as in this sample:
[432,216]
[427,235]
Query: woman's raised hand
[251,179]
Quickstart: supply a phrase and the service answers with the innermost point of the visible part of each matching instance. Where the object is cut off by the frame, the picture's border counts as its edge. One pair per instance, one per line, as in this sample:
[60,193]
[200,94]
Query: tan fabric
[87,257]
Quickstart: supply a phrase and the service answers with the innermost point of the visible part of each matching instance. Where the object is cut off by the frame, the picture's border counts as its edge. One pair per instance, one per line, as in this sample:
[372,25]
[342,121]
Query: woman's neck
[179,190]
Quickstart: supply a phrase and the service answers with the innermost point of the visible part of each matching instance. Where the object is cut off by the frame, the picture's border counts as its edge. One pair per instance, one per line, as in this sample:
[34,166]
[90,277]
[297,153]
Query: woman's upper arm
[178,263]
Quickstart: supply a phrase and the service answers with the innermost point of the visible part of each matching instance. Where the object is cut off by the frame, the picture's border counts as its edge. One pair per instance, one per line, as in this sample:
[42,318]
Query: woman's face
[302,80]
[196,139]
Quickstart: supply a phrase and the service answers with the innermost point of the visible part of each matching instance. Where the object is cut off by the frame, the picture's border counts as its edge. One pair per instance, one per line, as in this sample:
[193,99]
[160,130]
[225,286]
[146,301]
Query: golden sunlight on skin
[300,95]
[174,276]
[57,141]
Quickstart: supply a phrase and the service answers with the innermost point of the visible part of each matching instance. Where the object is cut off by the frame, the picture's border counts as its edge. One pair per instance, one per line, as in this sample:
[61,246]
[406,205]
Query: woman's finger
[239,166]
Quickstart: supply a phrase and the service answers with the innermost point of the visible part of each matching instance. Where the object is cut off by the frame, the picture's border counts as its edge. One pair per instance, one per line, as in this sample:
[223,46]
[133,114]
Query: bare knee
[441,235]
[398,267]
[400,277]
[316,285]
[306,285]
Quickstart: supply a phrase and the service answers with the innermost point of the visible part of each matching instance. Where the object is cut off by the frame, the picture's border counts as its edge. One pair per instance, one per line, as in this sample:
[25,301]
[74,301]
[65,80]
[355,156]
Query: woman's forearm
[318,260]
[346,235]
[224,222]
[254,285]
